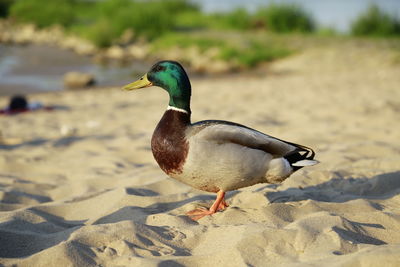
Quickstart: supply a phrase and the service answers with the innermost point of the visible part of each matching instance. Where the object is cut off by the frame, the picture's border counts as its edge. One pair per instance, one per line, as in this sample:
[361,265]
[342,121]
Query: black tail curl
[301,153]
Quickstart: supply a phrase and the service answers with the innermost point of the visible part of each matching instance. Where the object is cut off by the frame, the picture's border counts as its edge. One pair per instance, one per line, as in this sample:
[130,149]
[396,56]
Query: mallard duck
[214,155]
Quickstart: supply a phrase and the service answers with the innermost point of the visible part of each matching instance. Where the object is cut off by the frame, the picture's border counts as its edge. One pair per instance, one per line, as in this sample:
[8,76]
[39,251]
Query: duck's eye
[159,68]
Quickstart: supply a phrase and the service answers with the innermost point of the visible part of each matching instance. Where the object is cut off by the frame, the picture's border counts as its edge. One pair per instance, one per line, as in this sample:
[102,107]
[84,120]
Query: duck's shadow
[140,214]
[336,190]
[339,190]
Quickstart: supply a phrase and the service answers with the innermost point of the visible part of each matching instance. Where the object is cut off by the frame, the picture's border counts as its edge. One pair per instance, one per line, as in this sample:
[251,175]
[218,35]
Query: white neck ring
[177,109]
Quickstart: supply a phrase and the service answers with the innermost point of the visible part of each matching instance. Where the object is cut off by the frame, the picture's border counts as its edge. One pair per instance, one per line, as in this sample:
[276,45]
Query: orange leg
[219,204]
[223,205]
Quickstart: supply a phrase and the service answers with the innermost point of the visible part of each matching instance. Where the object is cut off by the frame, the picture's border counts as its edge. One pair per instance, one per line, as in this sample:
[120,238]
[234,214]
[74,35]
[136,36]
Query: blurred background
[58,44]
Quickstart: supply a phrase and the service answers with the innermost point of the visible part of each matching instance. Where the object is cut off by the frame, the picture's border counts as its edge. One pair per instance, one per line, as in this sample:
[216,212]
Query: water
[33,68]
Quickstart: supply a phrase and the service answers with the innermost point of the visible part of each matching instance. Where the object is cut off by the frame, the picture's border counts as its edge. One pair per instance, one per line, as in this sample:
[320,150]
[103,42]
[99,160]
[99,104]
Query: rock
[80,46]
[52,35]
[219,67]
[193,54]
[101,58]
[85,48]
[211,66]
[115,52]
[5,37]
[69,42]
[138,51]
[200,65]
[74,80]
[25,34]
[175,53]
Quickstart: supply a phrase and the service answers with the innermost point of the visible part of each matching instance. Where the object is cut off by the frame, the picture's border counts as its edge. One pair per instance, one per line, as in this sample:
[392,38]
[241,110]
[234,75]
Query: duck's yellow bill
[141,83]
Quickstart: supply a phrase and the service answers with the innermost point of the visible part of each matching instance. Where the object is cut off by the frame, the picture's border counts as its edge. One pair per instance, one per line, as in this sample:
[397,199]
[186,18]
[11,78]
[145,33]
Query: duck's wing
[229,132]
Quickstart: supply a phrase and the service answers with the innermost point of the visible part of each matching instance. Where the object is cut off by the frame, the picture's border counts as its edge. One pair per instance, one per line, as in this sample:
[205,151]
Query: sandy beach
[79,185]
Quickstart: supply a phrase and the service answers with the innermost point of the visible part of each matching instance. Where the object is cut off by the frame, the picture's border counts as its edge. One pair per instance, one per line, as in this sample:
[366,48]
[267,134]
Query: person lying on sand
[19,104]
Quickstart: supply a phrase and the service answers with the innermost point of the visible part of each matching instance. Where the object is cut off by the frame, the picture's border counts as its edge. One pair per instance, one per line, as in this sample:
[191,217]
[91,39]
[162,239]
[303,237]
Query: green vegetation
[176,23]
[247,54]
[104,21]
[163,23]
[43,13]
[254,53]
[327,31]
[238,19]
[280,18]
[286,18]
[145,19]
[184,41]
[375,22]
[4,7]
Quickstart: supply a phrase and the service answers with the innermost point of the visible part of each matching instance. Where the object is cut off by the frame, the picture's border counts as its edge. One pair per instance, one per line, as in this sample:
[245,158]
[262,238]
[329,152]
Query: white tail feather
[305,162]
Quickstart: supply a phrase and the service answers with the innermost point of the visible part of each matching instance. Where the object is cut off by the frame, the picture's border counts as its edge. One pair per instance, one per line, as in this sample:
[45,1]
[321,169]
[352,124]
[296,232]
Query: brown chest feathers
[168,143]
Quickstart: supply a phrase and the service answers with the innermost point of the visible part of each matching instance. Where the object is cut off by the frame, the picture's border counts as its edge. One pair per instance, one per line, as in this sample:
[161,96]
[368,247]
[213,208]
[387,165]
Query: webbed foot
[218,205]
[199,213]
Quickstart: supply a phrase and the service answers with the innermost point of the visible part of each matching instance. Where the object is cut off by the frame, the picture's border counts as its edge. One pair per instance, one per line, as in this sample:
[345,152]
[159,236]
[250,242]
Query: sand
[79,185]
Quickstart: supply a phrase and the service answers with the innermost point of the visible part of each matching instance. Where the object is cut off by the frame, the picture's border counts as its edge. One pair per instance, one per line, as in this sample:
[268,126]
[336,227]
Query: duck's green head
[170,76]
